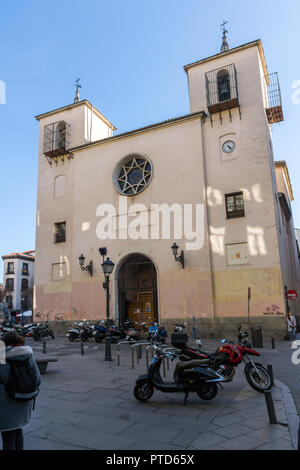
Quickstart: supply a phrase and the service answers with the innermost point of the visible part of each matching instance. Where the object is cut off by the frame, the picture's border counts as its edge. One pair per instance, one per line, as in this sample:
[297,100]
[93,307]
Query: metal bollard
[137,355]
[270,407]
[140,350]
[132,358]
[82,348]
[44,347]
[270,371]
[118,355]
[164,367]
[168,364]
[273,343]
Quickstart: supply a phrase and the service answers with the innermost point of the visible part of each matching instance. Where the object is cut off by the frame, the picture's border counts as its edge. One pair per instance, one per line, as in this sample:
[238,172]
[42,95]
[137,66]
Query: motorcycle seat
[183,365]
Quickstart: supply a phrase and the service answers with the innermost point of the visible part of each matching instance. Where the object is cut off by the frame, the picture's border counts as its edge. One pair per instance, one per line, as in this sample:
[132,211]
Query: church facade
[206,182]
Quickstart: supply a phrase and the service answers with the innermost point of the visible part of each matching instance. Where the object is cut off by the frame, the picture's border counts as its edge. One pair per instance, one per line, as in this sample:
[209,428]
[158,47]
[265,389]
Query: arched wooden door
[137,290]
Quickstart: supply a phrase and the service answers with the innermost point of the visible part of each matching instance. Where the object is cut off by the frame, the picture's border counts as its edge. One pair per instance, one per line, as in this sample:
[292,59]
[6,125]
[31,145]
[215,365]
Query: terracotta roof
[29,255]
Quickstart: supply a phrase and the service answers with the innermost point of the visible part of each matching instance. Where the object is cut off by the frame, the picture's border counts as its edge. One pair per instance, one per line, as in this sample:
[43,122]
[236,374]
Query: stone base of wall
[228,327]
[210,328]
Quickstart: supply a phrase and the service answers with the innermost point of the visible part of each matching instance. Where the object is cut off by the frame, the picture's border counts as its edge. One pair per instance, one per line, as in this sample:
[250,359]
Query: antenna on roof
[76,84]
[225,45]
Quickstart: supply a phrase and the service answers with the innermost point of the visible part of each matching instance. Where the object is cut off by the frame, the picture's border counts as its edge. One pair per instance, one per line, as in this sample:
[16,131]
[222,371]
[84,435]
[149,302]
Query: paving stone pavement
[86,403]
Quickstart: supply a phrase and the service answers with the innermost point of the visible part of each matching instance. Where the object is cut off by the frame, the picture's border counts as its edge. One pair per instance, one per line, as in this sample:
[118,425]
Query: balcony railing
[56,139]
[273,98]
[222,89]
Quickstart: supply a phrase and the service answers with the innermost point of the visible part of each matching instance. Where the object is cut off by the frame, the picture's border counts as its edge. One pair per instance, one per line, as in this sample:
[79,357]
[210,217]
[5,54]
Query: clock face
[228,146]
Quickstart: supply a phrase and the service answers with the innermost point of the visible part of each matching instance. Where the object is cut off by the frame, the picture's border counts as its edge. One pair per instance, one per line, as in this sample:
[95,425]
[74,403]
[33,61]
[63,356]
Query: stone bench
[42,363]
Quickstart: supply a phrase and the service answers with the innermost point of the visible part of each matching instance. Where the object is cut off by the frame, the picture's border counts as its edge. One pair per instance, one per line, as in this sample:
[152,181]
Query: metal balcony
[273,98]
[221,89]
[56,139]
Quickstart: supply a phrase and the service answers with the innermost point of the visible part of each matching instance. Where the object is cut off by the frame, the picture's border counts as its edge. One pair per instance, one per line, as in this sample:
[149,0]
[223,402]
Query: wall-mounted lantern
[179,258]
[88,267]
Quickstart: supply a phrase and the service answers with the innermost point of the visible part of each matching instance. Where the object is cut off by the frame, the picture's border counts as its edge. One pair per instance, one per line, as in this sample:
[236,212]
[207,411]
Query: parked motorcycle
[227,357]
[157,333]
[191,376]
[87,331]
[25,330]
[117,334]
[5,329]
[75,332]
[42,331]
[135,330]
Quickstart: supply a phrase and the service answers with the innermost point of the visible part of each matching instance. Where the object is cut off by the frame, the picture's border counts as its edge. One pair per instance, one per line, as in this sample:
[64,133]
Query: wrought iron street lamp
[107,267]
[88,268]
[179,258]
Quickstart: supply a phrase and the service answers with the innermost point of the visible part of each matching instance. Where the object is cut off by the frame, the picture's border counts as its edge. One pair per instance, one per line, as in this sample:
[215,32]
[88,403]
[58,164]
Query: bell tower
[70,126]
[233,82]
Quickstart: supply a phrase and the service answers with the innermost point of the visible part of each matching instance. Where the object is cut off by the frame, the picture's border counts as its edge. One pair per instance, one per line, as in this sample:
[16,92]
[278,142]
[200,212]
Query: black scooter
[190,376]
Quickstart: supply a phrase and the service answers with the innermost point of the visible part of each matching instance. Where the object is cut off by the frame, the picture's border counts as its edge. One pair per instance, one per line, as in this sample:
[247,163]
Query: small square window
[234,205]
[60,232]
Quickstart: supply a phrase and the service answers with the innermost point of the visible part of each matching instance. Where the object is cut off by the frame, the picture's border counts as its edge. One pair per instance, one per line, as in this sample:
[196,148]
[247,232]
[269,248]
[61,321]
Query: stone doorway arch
[137,289]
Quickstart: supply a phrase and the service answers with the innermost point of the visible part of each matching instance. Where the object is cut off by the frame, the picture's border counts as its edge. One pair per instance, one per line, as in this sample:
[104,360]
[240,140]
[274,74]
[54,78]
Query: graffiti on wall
[273,310]
[48,316]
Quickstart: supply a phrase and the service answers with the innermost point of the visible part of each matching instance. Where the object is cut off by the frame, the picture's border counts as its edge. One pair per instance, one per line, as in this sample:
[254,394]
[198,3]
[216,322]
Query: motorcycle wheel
[99,338]
[208,391]
[71,337]
[51,334]
[143,390]
[261,381]
[84,337]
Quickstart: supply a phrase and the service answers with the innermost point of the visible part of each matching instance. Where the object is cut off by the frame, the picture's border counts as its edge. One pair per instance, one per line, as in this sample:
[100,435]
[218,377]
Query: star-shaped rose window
[134,176]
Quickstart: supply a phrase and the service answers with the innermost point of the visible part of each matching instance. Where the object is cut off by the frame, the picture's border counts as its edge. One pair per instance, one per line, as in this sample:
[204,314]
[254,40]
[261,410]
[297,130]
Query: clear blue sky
[129,55]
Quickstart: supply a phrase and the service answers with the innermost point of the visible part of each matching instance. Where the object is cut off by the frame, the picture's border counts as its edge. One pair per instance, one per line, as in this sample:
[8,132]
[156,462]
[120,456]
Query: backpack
[23,384]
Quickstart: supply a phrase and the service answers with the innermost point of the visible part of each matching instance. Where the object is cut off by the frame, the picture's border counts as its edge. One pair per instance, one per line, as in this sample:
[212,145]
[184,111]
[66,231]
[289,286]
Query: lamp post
[107,267]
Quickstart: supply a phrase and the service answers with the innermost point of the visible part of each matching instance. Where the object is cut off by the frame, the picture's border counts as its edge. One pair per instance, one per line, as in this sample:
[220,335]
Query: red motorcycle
[228,356]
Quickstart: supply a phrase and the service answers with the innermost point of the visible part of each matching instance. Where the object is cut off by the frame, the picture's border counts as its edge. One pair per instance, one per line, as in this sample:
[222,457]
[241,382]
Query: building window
[234,205]
[10,268]
[223,85]
[9,300]
[60,232]
[24,284]
[25,268]
[10,283]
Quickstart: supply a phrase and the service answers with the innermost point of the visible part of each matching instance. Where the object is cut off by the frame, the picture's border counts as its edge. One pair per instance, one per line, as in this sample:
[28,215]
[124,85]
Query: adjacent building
[18,280]
[206,181]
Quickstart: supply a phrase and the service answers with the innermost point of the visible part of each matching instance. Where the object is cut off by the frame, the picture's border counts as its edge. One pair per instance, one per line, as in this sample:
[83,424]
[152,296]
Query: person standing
[291,321]
[15,412]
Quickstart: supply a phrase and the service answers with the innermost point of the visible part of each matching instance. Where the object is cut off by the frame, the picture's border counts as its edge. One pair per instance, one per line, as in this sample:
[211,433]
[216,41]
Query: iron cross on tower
[225,46]
[76,84]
